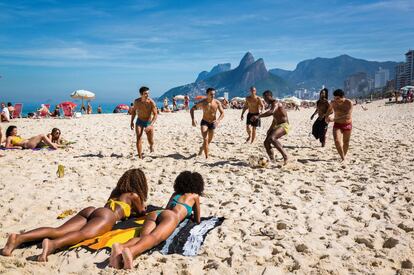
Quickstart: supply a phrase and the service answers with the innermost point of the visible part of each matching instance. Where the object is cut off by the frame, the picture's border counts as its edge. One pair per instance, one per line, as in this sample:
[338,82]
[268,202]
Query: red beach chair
[18,108]
[67,110]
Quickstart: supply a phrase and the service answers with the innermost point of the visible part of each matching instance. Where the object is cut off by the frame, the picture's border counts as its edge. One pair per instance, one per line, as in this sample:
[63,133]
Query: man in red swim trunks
[342,109]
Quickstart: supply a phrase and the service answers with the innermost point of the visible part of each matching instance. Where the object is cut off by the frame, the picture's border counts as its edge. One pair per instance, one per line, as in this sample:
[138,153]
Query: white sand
[306,218]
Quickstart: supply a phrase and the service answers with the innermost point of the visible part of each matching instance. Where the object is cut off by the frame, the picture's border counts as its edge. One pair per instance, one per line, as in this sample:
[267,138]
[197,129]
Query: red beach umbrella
[73,105]
[200,97]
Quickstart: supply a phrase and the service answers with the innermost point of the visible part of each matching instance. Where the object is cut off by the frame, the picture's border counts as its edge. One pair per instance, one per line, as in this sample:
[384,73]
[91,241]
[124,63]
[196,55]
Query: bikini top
[175,201]
[125,207]
[16,140]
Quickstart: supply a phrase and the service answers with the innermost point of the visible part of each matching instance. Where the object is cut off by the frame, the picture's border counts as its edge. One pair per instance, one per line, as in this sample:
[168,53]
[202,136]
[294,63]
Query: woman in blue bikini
[159,225]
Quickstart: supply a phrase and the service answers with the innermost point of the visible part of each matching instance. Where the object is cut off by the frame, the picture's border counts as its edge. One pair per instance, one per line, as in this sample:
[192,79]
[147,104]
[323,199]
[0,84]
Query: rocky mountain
[236,82]
[331,72]
[219,68]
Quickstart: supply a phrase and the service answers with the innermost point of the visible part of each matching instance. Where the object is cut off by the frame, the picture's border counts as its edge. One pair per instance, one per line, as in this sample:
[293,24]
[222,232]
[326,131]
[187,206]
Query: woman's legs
[74,224]
[34,141]
[100,221]
[116,252]
[168,223]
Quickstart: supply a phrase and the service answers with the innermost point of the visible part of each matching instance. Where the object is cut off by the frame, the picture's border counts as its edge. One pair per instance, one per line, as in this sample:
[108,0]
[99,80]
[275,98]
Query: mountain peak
[219,68]
[246,61]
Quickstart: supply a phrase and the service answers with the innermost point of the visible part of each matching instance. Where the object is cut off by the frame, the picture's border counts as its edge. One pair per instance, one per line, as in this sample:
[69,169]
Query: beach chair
[18,108]
[67,111]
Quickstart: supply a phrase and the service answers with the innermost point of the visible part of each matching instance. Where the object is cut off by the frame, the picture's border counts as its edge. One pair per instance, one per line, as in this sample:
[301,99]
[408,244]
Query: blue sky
[50,48]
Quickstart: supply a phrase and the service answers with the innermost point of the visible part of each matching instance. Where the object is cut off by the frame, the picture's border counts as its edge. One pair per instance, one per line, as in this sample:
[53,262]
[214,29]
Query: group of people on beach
[127,200]
[144,108]
[13,140]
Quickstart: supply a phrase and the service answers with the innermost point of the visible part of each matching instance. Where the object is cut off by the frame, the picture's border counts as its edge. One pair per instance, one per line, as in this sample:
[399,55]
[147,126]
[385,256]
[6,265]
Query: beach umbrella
[122,107]
[238,99]
[179,97]
[200,97]
[82,94]
[407,88]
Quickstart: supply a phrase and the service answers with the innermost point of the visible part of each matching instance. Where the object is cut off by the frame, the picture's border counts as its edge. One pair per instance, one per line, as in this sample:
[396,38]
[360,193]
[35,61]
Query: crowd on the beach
[130,194]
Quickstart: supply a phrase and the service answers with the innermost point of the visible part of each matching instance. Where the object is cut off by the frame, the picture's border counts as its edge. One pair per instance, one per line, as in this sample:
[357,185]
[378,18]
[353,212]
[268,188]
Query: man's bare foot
[247,140]
[116,256]
[152,148]
[48,249]
[285,161]
[200,152]
[127,258]
[11,244]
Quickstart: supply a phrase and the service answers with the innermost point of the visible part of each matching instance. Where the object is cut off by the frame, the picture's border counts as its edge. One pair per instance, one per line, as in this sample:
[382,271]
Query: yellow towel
[115,236]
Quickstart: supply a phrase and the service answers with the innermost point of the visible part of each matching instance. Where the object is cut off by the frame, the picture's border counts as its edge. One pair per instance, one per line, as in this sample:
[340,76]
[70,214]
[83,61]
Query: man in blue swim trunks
[144,107]
[209,121]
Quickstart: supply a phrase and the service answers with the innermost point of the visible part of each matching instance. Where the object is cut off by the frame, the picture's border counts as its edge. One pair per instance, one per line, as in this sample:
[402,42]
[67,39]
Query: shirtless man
[342,109]
[280,126]
[255,105]
[143,108]
[320,126]
[209,121]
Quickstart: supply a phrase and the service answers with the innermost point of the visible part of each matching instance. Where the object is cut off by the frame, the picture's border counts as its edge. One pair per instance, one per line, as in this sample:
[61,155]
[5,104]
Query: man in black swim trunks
[209,121]
[255,106]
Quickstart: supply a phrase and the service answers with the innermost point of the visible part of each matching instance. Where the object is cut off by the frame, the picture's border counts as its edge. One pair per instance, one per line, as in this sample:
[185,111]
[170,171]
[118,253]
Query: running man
[255,106]
[320,126]
[342,128]
[280,126]
[209,121]
[143,108]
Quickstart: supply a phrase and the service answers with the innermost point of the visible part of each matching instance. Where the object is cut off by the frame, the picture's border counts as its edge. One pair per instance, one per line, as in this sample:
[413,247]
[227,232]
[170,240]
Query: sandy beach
[314,216]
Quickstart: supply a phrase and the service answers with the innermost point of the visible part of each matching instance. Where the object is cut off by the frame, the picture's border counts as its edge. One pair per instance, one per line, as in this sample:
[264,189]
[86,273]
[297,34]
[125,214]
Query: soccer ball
[263,162]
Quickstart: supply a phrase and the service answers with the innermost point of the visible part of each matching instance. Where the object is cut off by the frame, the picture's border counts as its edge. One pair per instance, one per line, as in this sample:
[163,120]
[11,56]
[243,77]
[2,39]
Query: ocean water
[107,108]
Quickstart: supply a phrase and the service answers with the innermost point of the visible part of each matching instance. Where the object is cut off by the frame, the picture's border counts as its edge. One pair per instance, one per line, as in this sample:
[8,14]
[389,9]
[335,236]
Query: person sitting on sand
[14,141]
[10,107]
[55,137]
[159,225]
[43,111]
[5,114]
[56,112]
[128,196]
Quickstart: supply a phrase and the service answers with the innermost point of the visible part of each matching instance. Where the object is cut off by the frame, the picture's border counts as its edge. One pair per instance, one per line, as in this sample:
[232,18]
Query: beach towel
[34,149]
[186,239]
[319,128]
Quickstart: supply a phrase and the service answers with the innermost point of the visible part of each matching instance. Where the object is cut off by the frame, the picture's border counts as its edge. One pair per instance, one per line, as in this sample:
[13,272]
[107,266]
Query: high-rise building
[381,78]
[404,72]
[409,67]
[399,76]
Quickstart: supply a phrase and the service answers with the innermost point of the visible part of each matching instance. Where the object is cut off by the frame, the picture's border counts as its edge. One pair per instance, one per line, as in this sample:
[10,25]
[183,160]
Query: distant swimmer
[280,126]
[146,110]
[320,126]
[209,123]
[255,105]
[342,128]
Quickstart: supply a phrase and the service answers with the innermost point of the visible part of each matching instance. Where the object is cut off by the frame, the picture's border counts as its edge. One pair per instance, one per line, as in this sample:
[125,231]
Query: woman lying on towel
[159,225]
[14,141]
[129,195]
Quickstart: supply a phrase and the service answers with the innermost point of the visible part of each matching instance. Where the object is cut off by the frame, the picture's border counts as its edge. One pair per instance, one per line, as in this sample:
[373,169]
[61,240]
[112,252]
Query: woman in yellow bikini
[159,225]
[128,196]
[14,141]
